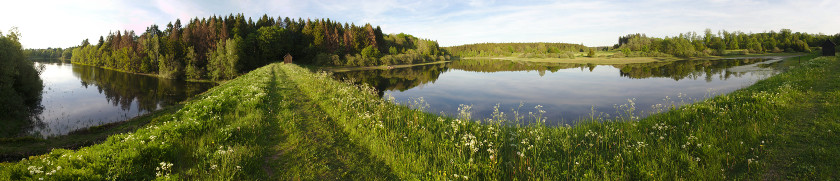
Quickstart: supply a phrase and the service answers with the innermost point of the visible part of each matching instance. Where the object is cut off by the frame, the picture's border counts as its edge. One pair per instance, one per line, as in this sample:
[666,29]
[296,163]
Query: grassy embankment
[13,149]
[602,59]
[253,127]
[282,121]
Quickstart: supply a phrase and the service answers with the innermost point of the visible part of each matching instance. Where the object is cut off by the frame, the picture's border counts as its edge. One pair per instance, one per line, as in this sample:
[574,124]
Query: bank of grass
[285,122]
[214,137]
[731,136]
[256,127]
[13,149]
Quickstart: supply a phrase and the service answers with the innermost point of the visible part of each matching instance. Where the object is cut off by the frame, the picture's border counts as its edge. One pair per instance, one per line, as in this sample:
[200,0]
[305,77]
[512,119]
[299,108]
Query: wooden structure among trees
[828,48]
[287,58]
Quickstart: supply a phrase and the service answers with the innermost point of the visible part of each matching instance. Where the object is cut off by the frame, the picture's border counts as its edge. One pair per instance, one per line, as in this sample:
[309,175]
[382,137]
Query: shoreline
[151,75]
[16,148]
[631,60]
[380,67]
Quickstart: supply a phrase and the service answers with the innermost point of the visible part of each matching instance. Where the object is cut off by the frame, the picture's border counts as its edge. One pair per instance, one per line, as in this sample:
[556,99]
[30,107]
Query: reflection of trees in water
[487,65]
[406,78]
[394,79]
[121,89]
[692,69]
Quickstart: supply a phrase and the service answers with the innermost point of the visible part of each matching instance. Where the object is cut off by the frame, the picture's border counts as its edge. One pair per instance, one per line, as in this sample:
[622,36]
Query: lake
[78,96]
[566,92]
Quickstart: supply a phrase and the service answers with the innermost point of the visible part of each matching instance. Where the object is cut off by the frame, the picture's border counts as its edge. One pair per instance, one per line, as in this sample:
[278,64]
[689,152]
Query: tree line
[20,86]
[222,47]
[48,54]
[692,44]
[528,50]
[689,44]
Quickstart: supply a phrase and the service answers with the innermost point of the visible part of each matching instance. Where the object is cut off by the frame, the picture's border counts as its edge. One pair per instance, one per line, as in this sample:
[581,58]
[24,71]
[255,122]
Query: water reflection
[566,91]
[400,79]
[691,69]
[77,96]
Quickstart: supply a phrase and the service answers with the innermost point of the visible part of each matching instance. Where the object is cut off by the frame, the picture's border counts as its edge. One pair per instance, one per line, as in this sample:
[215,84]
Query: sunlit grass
[285,122]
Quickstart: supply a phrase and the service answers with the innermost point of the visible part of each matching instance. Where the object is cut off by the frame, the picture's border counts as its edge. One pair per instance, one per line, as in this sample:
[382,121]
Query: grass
[216,136]
[285,122]
[13,149]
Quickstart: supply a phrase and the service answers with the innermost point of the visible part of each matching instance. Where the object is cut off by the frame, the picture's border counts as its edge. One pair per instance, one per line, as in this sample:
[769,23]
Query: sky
[65,23]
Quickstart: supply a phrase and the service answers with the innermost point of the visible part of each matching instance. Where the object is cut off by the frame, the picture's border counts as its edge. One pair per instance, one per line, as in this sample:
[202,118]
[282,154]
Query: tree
[202,47]
[591,53]
[233,54]
[85,43]
[101,41]
[20,85]
[192,70]
[370,52]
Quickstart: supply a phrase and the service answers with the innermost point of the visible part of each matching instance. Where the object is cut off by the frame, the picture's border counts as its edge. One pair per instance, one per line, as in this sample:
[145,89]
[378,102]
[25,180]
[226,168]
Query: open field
[285,122]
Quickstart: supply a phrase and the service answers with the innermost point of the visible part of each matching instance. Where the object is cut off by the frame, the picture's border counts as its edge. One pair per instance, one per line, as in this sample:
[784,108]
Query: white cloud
[480,3]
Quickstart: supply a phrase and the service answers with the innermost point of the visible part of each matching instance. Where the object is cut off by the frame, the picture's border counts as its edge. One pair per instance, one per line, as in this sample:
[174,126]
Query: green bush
[20,86]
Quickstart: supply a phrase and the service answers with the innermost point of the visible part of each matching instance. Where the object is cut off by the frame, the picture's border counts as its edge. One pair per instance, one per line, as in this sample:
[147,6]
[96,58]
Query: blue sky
[590,22]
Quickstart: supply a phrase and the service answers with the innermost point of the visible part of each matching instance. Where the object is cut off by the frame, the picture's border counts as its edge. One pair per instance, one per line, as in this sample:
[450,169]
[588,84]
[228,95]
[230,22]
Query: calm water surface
[77,96]
[566,92]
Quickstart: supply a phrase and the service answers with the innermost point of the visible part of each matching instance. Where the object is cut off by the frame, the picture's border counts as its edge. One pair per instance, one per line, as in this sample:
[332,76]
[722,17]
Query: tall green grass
[285,122]
[213,137]
[725,137]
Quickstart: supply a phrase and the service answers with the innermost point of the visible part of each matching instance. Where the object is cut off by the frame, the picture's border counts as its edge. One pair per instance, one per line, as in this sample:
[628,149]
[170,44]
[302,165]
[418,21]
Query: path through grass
[285,122]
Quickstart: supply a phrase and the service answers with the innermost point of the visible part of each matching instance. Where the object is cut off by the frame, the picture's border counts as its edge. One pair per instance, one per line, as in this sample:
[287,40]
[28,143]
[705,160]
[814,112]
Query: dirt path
[310,146]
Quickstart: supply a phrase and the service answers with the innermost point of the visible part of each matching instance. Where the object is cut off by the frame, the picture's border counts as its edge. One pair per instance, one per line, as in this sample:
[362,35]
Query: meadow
[283,121]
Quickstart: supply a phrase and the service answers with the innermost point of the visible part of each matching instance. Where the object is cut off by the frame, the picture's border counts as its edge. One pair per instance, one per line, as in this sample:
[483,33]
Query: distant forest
[48,54]
[640,45]
[694,45]
[222,47]
[529,50]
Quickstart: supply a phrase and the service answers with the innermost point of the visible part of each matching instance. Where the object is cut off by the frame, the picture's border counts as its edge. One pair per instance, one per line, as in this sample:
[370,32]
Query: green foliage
[192,70]
[169,68]
[193,51]
[225,61]
[692,45]
[370,52]
[20,85]
[509,49]
[392,51]
[48,54]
